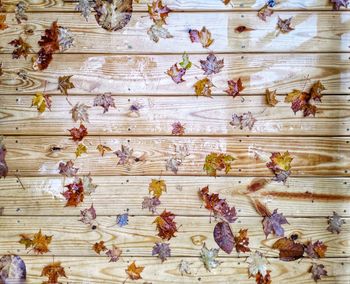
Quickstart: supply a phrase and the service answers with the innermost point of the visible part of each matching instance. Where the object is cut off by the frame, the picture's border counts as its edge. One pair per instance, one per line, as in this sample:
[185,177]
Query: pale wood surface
[33,155]
[314,32]
[300,197]
[146,74]
[199,115]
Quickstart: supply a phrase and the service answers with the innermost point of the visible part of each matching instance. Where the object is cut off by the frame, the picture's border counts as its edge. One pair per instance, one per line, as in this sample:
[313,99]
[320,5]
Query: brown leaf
[98,247]
[134,272]
[65,84]
[166,225]
[22,48]
[178,129]
[53,271]
[242,241]
[3,25]
[260,279]
[39,242]
[158,12]
[103,149]
[75,193]
[234,88]
[3,165]
[289,249]
[78,134]
[284,25]
[271,97]
[203,87]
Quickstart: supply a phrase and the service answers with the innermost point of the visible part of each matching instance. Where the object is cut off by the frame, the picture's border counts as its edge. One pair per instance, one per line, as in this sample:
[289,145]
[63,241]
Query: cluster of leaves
[203,36]
[114,253]
[38,242]
[280,165]
[217,162]
[158,13]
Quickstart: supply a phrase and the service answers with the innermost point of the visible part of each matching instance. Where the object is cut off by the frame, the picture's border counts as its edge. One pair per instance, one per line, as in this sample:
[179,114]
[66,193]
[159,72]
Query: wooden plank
[300,197]
[73,238]
[34,155]
[146,74]
[314,32]
[201,116]
[180,5]
[231,270]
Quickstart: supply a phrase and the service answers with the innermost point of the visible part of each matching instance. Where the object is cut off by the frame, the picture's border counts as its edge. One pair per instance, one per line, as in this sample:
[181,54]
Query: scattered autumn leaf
[259,279]
[20,11]
[234,87]
[89,186]
[166,225]
[246,120]
[151,203]
[334,223]
[315,250]
[284,25]
[134,272]
[223,236]
[211,65]
[203,36]
[280,165]
[65,38]
[265,12]
[176,73]
[217,162]
[317,271]
[185,63]
[126,156]
[178,129]
[162,250]
[79,112]
[88,215]
[241,241]
[157,187]
[81,149]
[208,257]
[67,169]
[257,263]
[105,100]
[158,12]
[184,267]
[78,134]
[53,271]
[22,48]
[103,149]
[98,247]
[41,102]
[122,219]
[173,163]
[155,32]
[203,87]
[3,25]
[271,97]
[38,242]
[316,90]
[289,250]
[273,224]
[12,269]
[114,253]
[65,84]
[75,193]
[84,7]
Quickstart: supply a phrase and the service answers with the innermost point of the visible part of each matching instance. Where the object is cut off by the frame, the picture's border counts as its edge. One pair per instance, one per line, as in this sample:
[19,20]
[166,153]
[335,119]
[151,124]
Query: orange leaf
[134,272]
[242,241]
[53,271]
[39,242]
[98,247]
[166,225]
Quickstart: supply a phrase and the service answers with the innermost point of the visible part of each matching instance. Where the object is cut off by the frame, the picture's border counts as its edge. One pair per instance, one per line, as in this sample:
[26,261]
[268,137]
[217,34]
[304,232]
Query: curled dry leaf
[65,84]
[12,269]
[75,193]
[105,100]
[317,271]
[166,225]
[78,134]
[22,48]
[203,36]
[176,73]
[178,129]
[20,11]
[246,120]
[234,87]
[271,97]
[217,162]
[155,32]
[284,25]
[103,149]
[114,253]
[158,12]
[334,223]
[41,102]
[203,87]
[79,112]
[67,169]
[3,25]
[289,249]
[162,250]
[134,272]
[265,12]
[99,247]
[151,203]
[53,271]
[38,242]
[337,4]
[88,215]
[211,65]
[208,257]
[223,236]
[3,165]
[113,15]
[257,263]
[273,224]
[241,241]
[157,187]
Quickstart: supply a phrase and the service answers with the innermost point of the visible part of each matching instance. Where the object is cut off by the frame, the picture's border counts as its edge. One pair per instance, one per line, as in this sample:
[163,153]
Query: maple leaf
[211,65]
[88,186]
[53,271]
[223,237]
[271,97]
[315,250]
[208,257]
[242,241]
[39,242]
[114,253]
[316,90]
[98,247]
[12,269]
[289,249]
[67,169]
[173,163]
[280,165]
[203,36]
[234,87]
[158,12]
[162,250]
[334,223]
[257,264]
[176,73]
[125,156]
[84,7]
[20,10]
[317,271]
[88,215]
[22,48]
[243,121]
[122,219]
[41,102]
[81,149]
[78,134]
[265,12]
[103,149]
[65,38]
[284,25]
[185,63]
[337,4]
[273,224]
[134,272]
[105,100]
[259,279]
[155,32]
[75,193]
[166,225]
[151,203]
[65,84]
[79,112]
[178,129]
[216,162]
[113,15]
[203,87]
[3,25]
[157,187]
[135,109]
[184,267]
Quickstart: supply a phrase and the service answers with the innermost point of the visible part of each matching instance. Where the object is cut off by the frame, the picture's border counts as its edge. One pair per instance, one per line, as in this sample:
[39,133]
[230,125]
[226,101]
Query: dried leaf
[334,223]
[158,12]
[53,271]
[337,4]
[203,36]
[259,279]
[217,162]
[151,203]
[22,48]
[103,149]
[271,97]
[223,236]
[79,112]
[67,169]
[284,25]
[98,247]
[211,65]
[3,25]
[176,73]
[208,257]
[184,267]
[78,134]
[257,264]
[122,219]
[234,87]
[75,193]
[88,215]
[162,250]
[105,100]
[84,7]
[265,12]
[246,120]
[203,87]
[133,271]
[20,11]
[113,15]
[41,102]
[289,249]
[185,63]
[242,241]
[317,271]
[12,269]
[114,253]
[280,165]
[166,225]
[316,90]
[173,163]
[178,129]
[126,156]
[315,250]
[89,187]
[155,32]
[81,149]
[39,243]
[157,187]
[65,84]
[273,224]
[65,38]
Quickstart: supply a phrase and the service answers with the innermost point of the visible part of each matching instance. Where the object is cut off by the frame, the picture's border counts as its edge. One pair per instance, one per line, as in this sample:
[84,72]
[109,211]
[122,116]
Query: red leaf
[223,237]
[166,225]
[78,134]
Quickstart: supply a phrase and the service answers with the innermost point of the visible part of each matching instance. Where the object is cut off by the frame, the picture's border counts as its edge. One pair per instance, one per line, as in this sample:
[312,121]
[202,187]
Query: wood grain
[146,74]
[83,269]
[300,197]
[73,238]
[201,116]
[314,32]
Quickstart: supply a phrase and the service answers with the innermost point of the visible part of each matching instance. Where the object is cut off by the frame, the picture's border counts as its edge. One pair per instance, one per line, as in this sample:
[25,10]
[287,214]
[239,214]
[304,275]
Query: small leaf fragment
[88,215]
[122,219]
[176,73]
[103,149]
[317,271]
[257,263]
[234,87]
[151,203]
[20,11]
[284,25]
[155,32]
[178,129]
[105,101]
[208,257]
[185,63]
[114,253]
[79,112]
[265,12]
[99,247]
[67,169]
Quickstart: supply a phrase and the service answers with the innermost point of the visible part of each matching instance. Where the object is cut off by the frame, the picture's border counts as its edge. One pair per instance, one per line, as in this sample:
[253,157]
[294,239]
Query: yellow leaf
[157,187]
[134,272]
[103,149]
[39,101]
[203,87]
[80,150]
[282,160]
[271,97]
